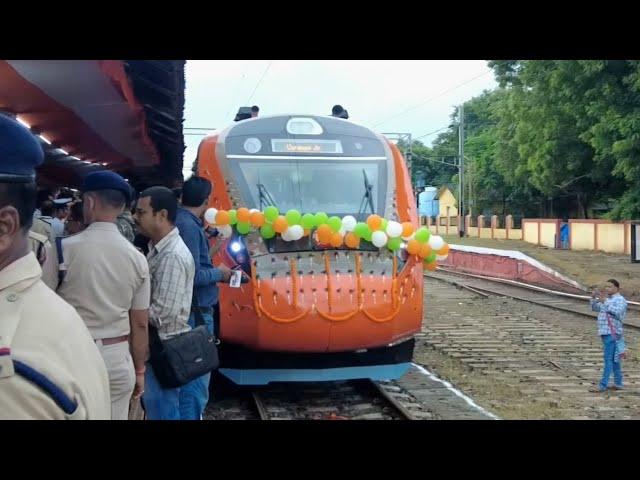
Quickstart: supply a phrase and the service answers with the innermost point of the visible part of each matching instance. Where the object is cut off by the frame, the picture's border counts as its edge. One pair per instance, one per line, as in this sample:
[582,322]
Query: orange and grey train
[312,312]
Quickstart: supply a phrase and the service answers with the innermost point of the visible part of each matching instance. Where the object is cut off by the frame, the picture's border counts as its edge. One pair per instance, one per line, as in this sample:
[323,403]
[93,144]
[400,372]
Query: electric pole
[461,170]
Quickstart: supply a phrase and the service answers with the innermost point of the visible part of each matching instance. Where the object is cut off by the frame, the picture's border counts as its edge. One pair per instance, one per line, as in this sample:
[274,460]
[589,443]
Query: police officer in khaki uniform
[45,253]
[107,280]
[43,228]
[50,368]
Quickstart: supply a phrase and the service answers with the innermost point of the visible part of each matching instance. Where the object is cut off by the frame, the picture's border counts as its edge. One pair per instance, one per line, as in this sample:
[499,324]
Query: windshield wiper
[264,197]
[367,198]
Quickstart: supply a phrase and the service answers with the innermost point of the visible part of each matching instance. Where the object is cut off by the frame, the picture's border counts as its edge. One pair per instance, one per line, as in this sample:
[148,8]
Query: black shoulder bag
[184,357]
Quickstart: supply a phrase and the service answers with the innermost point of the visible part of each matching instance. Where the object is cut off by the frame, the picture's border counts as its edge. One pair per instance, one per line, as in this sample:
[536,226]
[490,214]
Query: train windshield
[337,187]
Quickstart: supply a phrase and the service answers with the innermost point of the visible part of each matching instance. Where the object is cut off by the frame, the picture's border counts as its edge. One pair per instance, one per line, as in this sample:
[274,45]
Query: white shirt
[58,227]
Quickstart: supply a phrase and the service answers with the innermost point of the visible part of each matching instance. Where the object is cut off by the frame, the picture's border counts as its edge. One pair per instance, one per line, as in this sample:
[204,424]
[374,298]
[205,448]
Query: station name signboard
[305,146]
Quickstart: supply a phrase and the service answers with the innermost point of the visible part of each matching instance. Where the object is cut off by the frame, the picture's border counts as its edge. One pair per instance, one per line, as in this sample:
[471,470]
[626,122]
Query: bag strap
[198,316]
[155,342]
[62,269]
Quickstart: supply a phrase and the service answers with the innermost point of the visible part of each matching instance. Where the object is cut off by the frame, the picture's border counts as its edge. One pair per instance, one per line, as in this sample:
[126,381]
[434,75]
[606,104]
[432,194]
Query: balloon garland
[334,231]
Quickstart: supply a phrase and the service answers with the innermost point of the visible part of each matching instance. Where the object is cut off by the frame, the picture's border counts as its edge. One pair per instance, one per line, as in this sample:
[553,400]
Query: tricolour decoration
[334,231]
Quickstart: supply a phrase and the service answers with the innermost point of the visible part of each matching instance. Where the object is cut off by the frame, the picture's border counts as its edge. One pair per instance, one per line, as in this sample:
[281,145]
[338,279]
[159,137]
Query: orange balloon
[307,231]
[222,217]
[324,233]
[444,250]
[257,219]
[374,221]
[336,240]
[280,224]
[425,250]
[407,229]
[243,215]
[413,247]
[351,240]
[430,266]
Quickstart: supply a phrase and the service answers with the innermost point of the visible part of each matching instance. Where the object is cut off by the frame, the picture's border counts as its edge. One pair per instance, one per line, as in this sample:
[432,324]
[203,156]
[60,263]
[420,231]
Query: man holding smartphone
[611,308]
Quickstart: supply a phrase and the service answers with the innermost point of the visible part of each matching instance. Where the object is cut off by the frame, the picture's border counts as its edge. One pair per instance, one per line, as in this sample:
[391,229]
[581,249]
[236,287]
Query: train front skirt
[382,363]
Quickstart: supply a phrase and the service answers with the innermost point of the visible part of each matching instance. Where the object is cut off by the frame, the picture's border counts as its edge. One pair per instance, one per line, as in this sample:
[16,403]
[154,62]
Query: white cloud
[372,91]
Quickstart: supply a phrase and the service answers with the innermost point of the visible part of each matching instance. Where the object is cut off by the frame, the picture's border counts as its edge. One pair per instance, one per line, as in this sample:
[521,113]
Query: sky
[408,96]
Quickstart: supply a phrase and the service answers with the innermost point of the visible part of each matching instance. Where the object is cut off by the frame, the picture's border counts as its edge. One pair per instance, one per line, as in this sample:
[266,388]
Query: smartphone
[236,279]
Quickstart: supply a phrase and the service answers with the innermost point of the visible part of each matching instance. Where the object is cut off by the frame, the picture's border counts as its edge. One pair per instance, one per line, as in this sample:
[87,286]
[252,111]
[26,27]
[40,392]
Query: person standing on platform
[107,280]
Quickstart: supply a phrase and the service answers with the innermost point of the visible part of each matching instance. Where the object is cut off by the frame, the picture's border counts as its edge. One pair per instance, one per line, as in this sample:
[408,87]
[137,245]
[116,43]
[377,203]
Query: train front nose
[327,301]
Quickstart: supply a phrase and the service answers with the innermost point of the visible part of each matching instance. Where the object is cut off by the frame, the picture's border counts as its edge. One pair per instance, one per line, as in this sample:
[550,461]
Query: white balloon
[394,229]
[296,232]
[225,231]
[253,210]
[210,215]
[441,257]
[349,223]
[436,242]
[286,235]
[379,239]
[342,231]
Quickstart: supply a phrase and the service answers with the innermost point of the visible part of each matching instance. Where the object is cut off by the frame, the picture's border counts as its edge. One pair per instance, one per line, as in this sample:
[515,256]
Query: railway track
[529,360]
[339,400]
[486,286]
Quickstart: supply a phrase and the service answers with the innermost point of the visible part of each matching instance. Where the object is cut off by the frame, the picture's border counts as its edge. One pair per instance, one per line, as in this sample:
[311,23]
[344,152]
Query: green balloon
[335,223]
[243,227]
[383,225]
[321,218]
[368,234]
[394,244]
[308,221]
[232,217]
[422,235]
[361,230]
[271,213]
[430,258]
[293,217]
[267,231]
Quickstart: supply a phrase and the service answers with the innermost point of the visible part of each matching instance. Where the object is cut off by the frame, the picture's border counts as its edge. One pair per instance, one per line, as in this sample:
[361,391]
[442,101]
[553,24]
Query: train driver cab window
[334,187]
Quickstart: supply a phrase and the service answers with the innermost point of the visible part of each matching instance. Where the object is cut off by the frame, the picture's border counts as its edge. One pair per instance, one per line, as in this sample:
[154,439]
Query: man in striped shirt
[172,271]
[611,313]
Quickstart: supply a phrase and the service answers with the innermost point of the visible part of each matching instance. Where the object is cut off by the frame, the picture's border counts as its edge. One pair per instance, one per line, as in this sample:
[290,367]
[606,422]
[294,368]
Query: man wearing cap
[43,223]
[50,368]
[107,280]
[61,213]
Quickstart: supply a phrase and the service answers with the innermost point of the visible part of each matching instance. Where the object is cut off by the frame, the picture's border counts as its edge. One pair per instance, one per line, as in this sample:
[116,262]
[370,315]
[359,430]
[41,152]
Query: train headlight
[402,252]
[235,247]
[303,126]
[252,145]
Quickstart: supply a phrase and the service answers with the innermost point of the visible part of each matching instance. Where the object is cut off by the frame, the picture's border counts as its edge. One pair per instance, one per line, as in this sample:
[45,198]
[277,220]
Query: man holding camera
[611,308]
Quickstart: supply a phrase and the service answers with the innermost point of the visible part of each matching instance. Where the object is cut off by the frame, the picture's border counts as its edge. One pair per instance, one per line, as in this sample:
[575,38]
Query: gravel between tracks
[520,360]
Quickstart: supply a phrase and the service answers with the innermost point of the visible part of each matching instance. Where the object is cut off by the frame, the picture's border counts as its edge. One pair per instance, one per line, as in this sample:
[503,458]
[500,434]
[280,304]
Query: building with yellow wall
[448,203]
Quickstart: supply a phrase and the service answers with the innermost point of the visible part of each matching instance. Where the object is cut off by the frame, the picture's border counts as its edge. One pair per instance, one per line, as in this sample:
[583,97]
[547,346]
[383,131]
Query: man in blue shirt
[195,198]
[611,313]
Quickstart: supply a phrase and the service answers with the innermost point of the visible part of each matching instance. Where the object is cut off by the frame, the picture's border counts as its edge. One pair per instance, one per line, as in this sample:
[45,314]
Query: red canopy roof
[89,117]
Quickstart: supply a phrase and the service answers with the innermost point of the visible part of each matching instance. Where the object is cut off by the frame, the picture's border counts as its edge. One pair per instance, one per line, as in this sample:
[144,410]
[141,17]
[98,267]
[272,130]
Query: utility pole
[461,170]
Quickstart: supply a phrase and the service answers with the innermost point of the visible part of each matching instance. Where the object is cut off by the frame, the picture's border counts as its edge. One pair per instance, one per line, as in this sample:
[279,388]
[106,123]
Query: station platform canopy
[121,115]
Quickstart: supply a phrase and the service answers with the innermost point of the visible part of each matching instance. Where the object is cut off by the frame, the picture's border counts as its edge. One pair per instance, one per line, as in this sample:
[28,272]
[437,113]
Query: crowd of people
[84,277]
[88,277]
